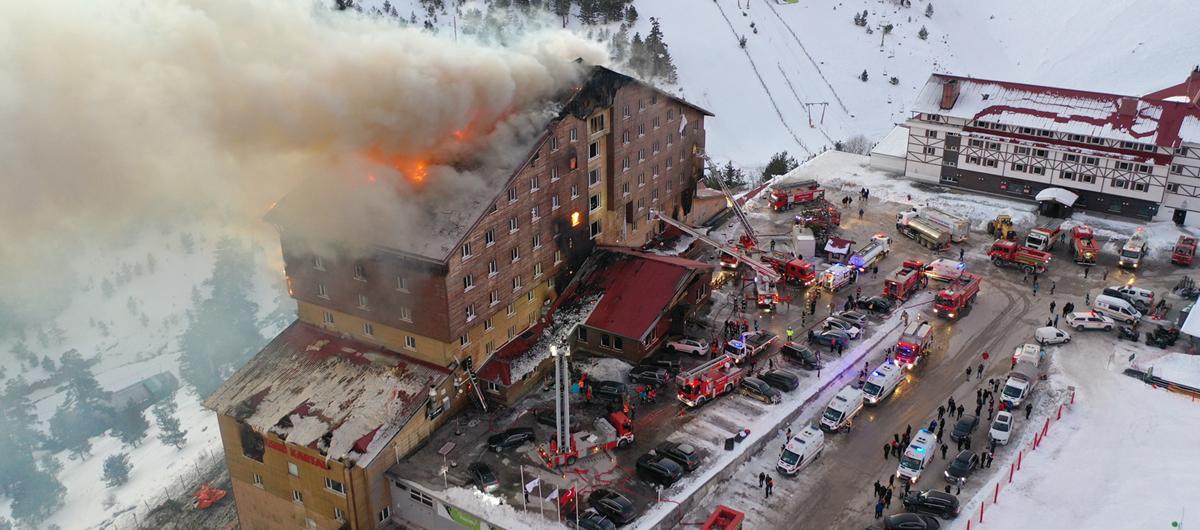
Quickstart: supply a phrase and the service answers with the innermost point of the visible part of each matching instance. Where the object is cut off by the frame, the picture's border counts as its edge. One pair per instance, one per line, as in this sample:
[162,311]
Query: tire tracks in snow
[762,82]
[816,66]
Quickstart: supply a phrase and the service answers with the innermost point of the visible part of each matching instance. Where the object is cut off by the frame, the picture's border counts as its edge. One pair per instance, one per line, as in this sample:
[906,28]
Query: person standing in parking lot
[770,486]
[879,508]
[1028,410]
[887,450]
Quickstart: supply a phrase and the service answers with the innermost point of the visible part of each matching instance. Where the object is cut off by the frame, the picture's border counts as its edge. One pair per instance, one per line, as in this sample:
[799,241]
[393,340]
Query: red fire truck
[914,343]
[956,299]
[905,281]
[611,432]
[1010,254]
[794,271]
[708,381]
[821,215]
[1083,245]
[1185,251]
[785,195]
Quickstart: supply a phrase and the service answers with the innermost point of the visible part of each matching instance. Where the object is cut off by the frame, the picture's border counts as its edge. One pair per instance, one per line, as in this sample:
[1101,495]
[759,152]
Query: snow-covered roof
[1059,195]
[1191,325]
[894,144]
[344,398]
[1148,121]
[1189,129]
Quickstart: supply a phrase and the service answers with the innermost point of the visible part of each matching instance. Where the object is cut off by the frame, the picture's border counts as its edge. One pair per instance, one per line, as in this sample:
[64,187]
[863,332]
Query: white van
[1051,335]
[1116,308]
[917,456]
[842,409]
[802,449]
[1030,353]
[882,382]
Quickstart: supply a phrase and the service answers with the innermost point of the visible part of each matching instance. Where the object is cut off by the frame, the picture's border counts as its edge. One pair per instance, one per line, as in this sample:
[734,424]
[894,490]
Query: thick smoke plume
[119,112]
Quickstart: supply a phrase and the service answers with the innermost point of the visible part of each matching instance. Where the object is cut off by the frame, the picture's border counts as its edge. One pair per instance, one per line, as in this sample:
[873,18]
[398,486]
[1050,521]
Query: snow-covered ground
[1175,367]
[130,349]
[1123,456]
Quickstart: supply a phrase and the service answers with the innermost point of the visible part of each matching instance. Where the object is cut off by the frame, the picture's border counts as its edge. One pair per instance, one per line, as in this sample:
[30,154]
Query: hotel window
[1120,183]
[534,183]
[553,173]
[494,298]
[670,162]
[597,123]
[537,270]
[321,291]
[1067,175]
[1143,168]
[1021,150]
[641,105]
[654,171]
[1037,170]
[1181,150]
[334,486]
[489,237]
[535,212]
[574,191]
[1086,178]
[1041,153]
[405,314]
[641,155]
[593,202]
[463,341]
[363,302]
[516,253]
[930,133]
[625,137]
[1027,130]
[581,334]
[510,311]
[513,225]
[593,177]
[654,195]
[1124,166]
[554,202]
[670,138]
[670,114]
[1071,158]
[360,272]
[537,240]
[1176,169]
[327,317]
[471,312]
[573,134]
[625,111]
[1091,160]
[297,496]
[467,252]
[493,269]
[1129,145]
[654,148]
[553,143]
[994,146]
[386,512]
[641,179]
[490,348]
[641,203]
[1096,140]
[975,143]
[1078,138]
[468,282]
[625,188]
[655,123]
[1044,133]
[593,151]
[258,480]
[339,514]
[668,185]
[973,160]
[595,229]
[930,150]
[557,257]
[410,342]
[989,162]
[1017,167]
[1138,186]
[368,329]
[516,283]
[512,195]
[487,324]
[653,99]
[1173,188]
[318,263]
[641,129]
[293,469]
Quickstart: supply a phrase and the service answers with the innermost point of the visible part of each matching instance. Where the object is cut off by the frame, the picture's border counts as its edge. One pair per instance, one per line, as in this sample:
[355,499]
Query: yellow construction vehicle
[1002,228]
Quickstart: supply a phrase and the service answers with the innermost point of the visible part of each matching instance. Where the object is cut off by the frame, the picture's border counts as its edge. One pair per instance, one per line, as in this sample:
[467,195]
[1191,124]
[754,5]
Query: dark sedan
[684,454]
[609,390]
[932,502]
[781,379]
[760,390]
[590,519]
[875,304]
[659,469]
[962,467]
[964,427]
[612,505]
[509,439]
[649,375]
[906,521]
[802,355]
[483,477]
[672,366]
[829,337]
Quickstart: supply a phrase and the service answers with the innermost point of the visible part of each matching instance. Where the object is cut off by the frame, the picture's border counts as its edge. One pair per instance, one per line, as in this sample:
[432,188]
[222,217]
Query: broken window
[252,442]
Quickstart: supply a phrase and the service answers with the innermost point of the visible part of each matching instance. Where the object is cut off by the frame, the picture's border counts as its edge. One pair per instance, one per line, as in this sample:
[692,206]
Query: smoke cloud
[120,112]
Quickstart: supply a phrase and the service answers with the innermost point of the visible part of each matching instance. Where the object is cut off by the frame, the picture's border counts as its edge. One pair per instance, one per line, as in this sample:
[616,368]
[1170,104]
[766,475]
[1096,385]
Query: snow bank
[605,368]
[494,510]
[1177,367]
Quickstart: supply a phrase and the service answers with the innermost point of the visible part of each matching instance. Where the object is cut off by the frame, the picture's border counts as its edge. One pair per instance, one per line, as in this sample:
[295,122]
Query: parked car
[829,337]
[875,304]
[906,521]
[843,325]
[688,345]
[1051,335]
[612,505]
[590,519]
[672,366]
[1081,321]
[800,354]
[683,454]
[649,375]
[1001,427]
[658,469]
[547,418]
[609,390]
[509,439]
[857,317]
[964,427]
[483,477]
[932,502]
[760,390]
[781,379]
[962,466]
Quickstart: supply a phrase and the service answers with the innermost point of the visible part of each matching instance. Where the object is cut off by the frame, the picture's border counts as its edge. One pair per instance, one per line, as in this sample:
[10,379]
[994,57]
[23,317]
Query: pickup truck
[749,345]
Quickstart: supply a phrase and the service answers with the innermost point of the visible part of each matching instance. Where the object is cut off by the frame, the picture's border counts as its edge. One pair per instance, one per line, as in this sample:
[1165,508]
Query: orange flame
[415,169]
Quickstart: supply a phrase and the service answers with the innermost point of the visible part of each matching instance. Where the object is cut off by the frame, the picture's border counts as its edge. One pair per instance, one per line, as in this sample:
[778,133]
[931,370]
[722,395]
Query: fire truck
[1083,245]
[914,343]
[905,281]
[611,432]
[955,300]
[872,254]
[788,194]
[794,271]
[1185,251]
[708,381]
[929,234]
[1043,237]
[1010,254]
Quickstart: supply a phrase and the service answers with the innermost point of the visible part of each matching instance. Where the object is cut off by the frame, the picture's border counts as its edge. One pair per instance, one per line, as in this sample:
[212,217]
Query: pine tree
[19,435]
[85,412]
[923,34]
[863,76]
[779,164]
[48,364]
[562,9]
[106,288]
[929,10]
[116,470]
[661,65]
[619,45]
[639,61]
[37,492]
[631,14]
[169,432]
[130,425]
[587,12]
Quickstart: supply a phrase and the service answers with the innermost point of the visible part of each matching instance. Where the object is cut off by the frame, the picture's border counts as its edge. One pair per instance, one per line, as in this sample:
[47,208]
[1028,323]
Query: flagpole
[541,501]
[524,491]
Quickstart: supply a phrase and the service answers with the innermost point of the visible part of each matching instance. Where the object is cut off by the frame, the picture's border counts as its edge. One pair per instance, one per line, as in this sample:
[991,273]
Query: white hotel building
[1131,156]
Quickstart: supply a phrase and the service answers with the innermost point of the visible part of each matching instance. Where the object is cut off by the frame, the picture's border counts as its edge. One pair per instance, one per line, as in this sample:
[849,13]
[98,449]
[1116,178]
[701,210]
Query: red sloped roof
[637,290]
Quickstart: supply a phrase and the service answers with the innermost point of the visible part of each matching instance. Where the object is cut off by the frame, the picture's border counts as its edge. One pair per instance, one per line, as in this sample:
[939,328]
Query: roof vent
[986,96]
[949,94]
